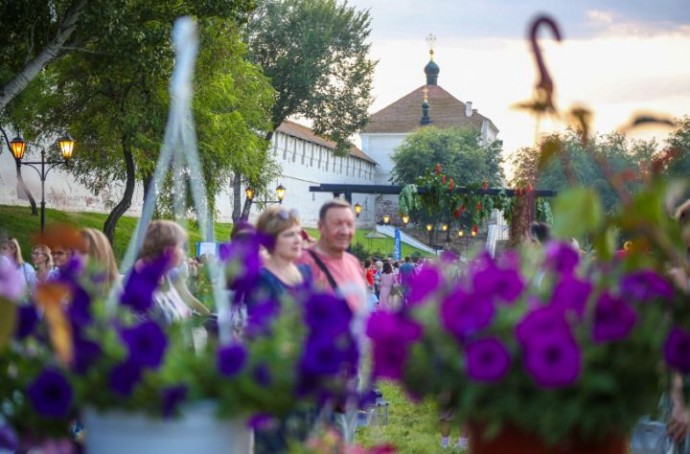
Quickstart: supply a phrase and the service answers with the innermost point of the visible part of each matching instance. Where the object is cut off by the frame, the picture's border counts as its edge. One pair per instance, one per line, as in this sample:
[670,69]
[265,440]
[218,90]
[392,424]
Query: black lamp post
[280,195]
[18,147]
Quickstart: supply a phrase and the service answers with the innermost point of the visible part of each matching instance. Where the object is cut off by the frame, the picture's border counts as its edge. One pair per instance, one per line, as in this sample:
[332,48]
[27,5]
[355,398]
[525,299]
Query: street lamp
[250,193]
[386,219]
[18,147]
[430,229]
[280,193]
[405,219]
[358,209]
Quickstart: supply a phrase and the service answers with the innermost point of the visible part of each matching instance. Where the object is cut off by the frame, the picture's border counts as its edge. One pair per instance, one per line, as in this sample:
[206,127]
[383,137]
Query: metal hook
[545,85]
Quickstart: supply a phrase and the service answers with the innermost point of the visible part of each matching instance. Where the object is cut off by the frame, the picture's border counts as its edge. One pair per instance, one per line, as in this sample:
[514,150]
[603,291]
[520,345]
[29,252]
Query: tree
[568,155]
[678,150]
[458,150]
[114,97]
[315,53]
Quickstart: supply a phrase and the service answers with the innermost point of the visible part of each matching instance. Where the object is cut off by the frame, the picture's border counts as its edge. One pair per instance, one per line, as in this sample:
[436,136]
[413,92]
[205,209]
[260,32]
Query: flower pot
[197,430]
[511,440]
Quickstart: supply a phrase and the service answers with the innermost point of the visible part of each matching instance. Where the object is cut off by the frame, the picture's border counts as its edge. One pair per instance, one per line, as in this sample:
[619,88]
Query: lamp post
[250,193]
[461,235]
[358,209]
[405,219]
[18,147]
[386,219]
[430,229]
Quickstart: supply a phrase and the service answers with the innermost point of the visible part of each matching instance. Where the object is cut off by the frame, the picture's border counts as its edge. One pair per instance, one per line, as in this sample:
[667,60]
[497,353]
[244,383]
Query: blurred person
[97,248]
[388,281]
[43,261]
[165,237]
[10,248]
[539,233]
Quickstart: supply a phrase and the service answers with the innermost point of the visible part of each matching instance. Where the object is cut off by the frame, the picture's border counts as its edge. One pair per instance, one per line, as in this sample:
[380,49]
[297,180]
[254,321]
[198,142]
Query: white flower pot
[196,431]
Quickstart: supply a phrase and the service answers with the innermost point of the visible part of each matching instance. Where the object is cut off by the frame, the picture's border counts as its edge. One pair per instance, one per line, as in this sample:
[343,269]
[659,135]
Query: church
[308,160]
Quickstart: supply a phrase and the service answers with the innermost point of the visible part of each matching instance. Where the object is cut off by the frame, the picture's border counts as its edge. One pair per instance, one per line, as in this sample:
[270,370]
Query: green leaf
[576,212]
[8,314]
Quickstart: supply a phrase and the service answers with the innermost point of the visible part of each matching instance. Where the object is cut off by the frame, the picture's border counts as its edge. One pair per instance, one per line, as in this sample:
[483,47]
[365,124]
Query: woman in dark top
[279,276]
[279,273]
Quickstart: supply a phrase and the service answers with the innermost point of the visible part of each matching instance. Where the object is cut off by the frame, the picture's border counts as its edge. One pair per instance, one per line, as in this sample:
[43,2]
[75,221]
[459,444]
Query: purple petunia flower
[260,316]
[86,353]
[560,257]
[613,319]
[321,356]
[51,394]
[11,280]
[27,320]
[8,438]
[231,359]
[124,377]
[396,327]
[677,350]
[242,261]
[504,284]
[487,360]
[260,421]
[389,359]
[645,285]
[326,312]
[173,396]
[464,314]
[540,322]
[423,284]
[262,375]
[142,282]
[146,343]
[79,309]
[553,360]
[571,293]
[391,335]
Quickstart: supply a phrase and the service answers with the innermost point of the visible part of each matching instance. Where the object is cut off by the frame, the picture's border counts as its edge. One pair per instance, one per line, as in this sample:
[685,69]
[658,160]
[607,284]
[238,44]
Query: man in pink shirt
[329,255]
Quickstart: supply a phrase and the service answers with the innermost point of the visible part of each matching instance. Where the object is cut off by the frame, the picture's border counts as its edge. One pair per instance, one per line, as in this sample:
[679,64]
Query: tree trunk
[21,186]
[126,201]
[52,50]
[236,197]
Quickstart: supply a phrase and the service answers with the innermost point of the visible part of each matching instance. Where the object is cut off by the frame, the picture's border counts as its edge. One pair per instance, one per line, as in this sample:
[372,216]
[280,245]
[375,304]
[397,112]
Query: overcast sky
[617,57]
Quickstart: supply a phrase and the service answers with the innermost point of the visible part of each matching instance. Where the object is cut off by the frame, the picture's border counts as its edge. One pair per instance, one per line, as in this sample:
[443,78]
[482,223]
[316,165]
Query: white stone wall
[303,163]
[380,147]
[306,164]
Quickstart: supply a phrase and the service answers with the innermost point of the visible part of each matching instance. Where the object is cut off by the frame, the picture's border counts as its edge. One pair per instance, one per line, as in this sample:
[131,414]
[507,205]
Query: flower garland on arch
[437,197]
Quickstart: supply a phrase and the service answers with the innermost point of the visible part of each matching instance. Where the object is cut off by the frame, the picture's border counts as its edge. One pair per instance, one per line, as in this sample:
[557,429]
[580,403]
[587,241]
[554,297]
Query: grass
[18,222]
[412,427]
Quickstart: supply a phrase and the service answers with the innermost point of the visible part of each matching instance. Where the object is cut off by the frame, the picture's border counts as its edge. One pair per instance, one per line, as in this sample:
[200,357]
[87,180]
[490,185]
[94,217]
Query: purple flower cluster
[677,350]
[330,348]
[487,360]
[11,280]
[230,360]
[242,261]
[392,334]
[146,345]
[142,282]
[51,394]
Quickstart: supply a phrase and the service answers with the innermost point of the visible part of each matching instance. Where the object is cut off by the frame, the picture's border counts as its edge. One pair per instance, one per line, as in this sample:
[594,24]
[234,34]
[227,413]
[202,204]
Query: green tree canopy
[459,151]
[566,151]
[678,149]
[113,97]
[316,54]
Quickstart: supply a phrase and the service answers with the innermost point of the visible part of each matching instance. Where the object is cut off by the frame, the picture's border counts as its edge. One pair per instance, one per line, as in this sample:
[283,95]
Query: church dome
[431,70]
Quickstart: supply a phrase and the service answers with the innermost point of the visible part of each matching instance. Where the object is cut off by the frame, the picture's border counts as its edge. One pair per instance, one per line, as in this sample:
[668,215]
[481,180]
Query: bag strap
[322,267]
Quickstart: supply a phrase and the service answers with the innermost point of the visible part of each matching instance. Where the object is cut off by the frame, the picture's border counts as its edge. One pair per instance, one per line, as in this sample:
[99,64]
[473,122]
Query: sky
[617,57]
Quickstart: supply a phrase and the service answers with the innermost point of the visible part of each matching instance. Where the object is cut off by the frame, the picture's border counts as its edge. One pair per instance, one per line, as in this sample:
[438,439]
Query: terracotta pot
[514,441]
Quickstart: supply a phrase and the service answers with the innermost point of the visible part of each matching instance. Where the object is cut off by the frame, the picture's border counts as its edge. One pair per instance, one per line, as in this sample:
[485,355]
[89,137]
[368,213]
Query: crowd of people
[290,260]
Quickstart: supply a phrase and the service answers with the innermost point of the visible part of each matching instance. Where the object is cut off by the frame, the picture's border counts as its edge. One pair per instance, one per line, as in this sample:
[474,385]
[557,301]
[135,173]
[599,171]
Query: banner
[398,245]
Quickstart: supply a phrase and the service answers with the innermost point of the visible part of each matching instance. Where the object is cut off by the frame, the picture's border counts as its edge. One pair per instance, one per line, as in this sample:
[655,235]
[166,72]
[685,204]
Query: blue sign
[397,251]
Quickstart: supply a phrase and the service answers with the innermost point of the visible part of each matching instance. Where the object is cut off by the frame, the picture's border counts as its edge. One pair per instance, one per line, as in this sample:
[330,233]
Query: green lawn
[412,428]
[17,221]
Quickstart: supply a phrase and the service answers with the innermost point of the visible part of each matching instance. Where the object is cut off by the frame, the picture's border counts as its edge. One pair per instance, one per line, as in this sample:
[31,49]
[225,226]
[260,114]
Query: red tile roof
[404,114]
[302,132]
